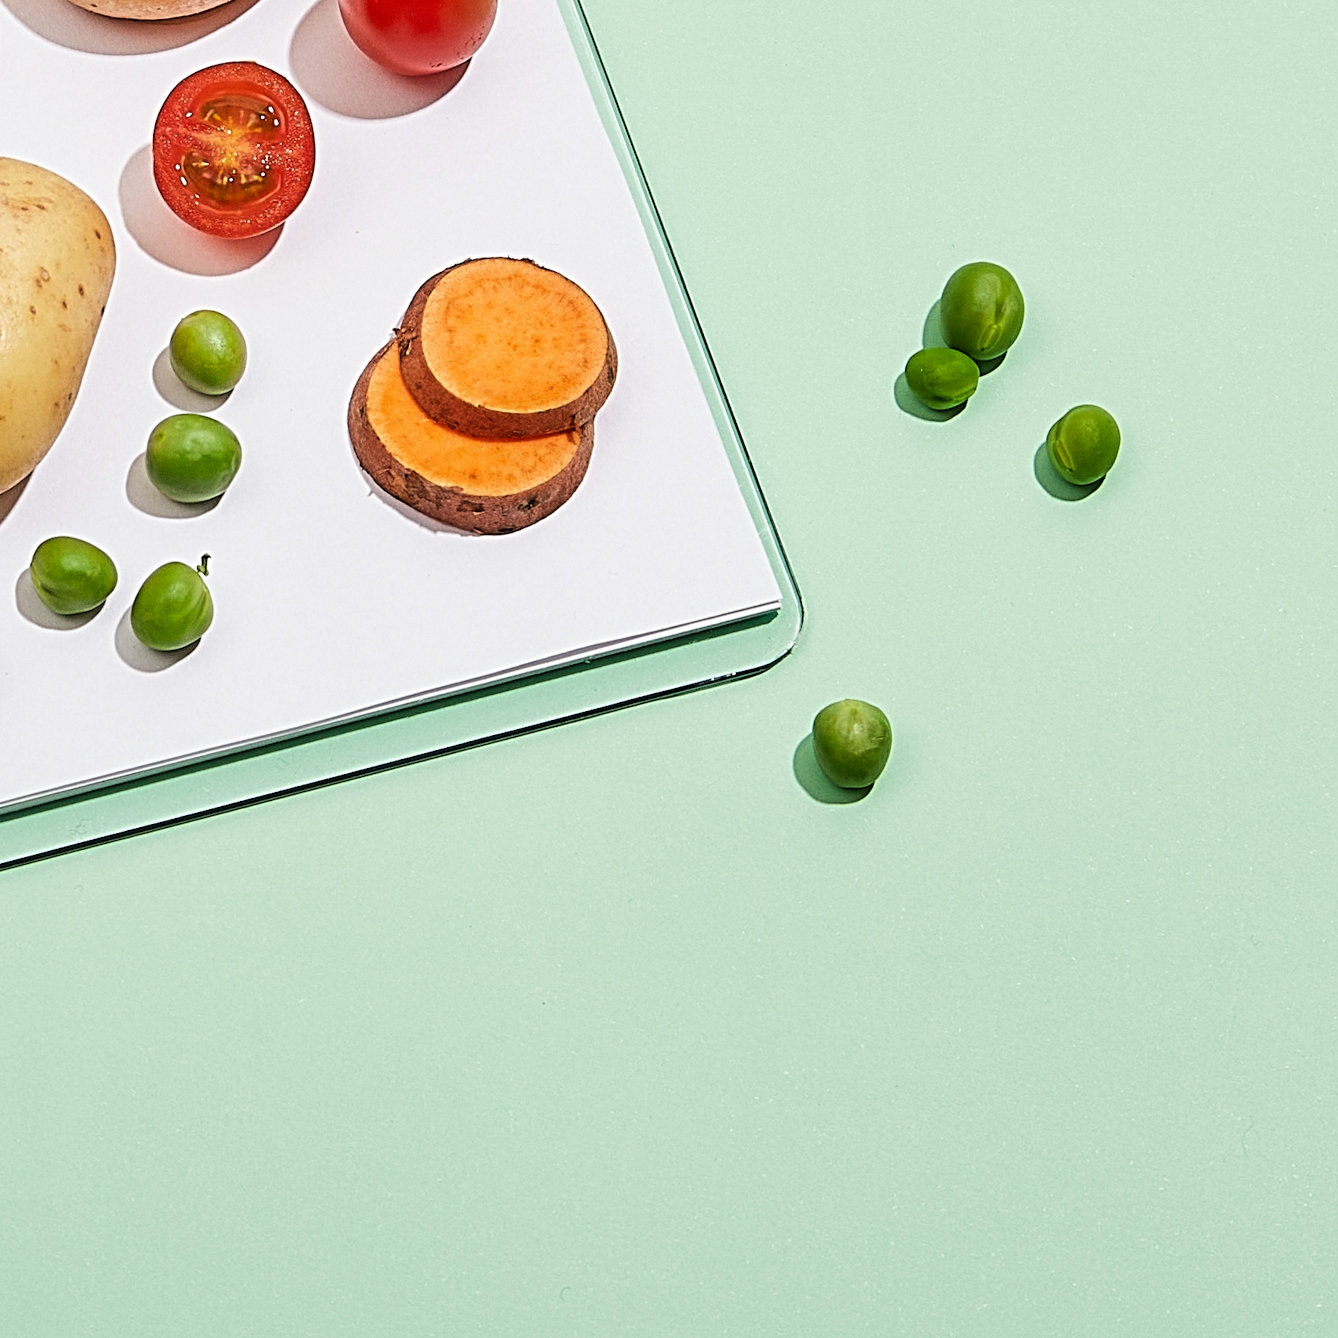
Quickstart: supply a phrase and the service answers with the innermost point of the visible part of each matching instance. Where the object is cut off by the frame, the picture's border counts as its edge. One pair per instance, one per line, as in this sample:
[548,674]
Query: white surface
[332,601]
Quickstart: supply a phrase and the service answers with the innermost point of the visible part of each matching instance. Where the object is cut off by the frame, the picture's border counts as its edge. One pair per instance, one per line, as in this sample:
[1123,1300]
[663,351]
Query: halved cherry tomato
[233,149]
[418,36]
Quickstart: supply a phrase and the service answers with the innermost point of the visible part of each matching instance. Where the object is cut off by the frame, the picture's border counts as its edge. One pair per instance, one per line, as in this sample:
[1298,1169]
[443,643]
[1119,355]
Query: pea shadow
[1057,486]
[815,784]
[931,336]
[909,402]
[30,605]
[143,496]
[104,34]
[179,395]
[139,656]
[330,70]
[162,235]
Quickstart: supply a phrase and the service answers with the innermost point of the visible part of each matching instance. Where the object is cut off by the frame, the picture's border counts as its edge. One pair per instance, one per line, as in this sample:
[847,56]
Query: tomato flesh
[418,36]
[228,162]
[233,150]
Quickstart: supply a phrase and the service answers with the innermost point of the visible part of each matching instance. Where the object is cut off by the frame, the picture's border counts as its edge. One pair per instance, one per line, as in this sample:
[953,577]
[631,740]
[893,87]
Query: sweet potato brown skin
[453,506]
[474,420]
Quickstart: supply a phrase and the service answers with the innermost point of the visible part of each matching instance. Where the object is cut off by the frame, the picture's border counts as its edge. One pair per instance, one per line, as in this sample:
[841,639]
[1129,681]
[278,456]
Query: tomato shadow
[139,656]
[143,496]
[815,784]
[1057,486]
[179,395]
[330,70]
[162,235]
[102,34]
[29,604]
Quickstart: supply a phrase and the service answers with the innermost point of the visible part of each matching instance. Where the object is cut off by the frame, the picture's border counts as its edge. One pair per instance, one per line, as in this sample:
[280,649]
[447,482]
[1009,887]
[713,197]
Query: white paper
[332,600]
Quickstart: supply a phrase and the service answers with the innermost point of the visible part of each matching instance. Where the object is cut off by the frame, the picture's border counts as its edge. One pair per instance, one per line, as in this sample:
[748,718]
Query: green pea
[942,377]
[192,458]
[208,352]
[71,575]
[173,608]
[852,741]
[1083,444]
[981,311]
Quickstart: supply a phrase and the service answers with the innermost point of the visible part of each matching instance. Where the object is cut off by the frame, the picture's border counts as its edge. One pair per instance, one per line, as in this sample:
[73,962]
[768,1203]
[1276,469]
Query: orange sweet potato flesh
[490,487]
[503,349]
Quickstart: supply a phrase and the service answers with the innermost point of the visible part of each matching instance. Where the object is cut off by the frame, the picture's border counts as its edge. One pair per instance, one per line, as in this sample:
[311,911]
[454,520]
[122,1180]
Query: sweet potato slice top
[443,457]
[511,336]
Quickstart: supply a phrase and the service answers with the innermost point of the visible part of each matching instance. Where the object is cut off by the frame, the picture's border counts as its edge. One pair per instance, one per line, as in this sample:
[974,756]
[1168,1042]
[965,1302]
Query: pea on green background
[615,1029]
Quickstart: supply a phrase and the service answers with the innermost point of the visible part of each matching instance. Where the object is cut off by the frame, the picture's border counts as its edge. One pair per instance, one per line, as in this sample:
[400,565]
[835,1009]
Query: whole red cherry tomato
[418,36]
[233,149]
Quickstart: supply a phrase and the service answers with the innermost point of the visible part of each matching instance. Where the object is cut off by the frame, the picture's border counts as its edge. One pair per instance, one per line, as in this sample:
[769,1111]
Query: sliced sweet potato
[490,487]
[505,349]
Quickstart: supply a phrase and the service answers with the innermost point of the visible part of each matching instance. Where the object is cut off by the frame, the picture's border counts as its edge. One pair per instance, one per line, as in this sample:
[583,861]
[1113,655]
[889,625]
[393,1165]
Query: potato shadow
[1055,484]
[143,496]
[67,25]
[139,656]
[815,784]
[9,499]
[162,235]
[330,70]
[30,605]
[179,395]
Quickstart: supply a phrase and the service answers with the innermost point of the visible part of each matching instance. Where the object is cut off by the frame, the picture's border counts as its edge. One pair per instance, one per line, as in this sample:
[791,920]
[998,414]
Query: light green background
[615,1029]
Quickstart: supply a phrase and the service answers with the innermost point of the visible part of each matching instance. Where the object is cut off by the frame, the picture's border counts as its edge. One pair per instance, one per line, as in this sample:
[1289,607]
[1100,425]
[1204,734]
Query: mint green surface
[616,1029]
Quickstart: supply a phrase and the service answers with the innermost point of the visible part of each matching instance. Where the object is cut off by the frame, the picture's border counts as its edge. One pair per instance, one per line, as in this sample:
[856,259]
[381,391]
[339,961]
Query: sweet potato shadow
[816,785]
[330,70]
[67,25]
[418,518]
[162,235]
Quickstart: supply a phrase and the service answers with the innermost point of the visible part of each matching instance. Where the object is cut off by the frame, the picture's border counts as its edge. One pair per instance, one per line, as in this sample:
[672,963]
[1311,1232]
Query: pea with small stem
[173,608]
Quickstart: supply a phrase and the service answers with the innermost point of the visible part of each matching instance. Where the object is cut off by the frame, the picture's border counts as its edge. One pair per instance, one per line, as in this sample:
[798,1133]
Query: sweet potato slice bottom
[491,487]
[502,348]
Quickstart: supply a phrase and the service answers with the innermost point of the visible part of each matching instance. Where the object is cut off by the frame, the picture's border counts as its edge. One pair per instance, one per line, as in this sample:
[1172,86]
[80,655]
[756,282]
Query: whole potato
[57,258]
